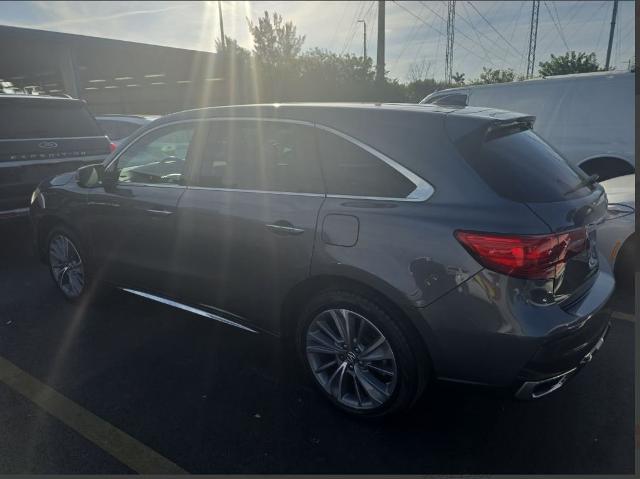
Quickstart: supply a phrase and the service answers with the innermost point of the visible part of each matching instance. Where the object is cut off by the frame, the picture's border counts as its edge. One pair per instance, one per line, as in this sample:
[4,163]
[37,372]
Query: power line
[335,32]
[462,32]
[352,28]
[494,29]
[555,9]
[419,49]
[444,20]
[438,31]
[515,24]
[478,33]
[593,14]
[410,38]
[555,25]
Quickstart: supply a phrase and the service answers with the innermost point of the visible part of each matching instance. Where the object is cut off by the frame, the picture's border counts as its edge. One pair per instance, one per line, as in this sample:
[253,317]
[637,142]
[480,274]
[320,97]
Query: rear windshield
[45,119]
[522,167]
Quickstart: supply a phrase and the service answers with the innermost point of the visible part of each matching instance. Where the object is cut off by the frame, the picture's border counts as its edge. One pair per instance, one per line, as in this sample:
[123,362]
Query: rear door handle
[284,228]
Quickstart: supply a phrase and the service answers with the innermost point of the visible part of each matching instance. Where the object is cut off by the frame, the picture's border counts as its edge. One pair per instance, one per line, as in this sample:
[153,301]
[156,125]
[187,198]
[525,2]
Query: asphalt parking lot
[104,387]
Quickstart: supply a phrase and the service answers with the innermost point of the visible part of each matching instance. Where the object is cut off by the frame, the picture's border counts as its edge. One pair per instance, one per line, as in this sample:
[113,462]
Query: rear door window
[522,167]
[34,118]
[349,170]
[262,156]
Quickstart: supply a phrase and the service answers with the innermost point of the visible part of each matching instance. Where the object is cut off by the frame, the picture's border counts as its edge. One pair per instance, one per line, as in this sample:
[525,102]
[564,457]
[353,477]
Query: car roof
[310,111]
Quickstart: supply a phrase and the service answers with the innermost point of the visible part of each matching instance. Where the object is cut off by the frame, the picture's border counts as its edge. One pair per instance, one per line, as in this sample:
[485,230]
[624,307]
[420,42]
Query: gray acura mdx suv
[391,244]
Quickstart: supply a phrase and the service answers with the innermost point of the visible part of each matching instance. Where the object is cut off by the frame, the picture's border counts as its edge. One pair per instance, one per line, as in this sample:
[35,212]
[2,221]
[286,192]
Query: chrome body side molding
[190,309]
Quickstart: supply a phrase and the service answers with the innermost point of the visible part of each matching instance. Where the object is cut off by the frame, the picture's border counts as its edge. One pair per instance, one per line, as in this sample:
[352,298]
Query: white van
[588,117]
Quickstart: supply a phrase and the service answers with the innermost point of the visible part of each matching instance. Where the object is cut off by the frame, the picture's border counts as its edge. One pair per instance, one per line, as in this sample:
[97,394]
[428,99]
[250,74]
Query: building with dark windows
[114,76]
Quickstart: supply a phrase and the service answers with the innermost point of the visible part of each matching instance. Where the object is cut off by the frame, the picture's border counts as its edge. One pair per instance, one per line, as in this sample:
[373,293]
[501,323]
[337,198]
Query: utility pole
[365,36]
[222,42]
[533,38]
[448,63]
[611,32]
[380,51]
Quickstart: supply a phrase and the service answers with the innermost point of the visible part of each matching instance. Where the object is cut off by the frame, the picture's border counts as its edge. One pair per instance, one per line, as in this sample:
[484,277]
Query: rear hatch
[520,166]
[40,137]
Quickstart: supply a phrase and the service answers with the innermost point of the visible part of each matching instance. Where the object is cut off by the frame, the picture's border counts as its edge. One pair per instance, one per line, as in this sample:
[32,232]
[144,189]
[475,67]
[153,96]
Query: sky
[487,33]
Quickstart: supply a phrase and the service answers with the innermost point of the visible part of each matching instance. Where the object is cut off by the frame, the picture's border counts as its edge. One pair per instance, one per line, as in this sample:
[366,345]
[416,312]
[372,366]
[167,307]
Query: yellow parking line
[124,448]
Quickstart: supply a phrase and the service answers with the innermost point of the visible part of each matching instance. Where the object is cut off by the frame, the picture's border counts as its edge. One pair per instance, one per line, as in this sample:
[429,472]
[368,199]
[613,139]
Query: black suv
[390,243]
[42,136]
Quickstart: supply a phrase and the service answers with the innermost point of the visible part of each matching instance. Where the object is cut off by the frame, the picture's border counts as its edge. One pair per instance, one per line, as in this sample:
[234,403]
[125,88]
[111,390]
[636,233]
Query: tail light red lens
[525,256]
[112,146]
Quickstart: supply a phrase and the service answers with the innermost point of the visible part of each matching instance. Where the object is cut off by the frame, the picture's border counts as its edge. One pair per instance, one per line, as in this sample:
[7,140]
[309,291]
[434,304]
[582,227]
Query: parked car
[589,117]
[41,136]
[391,244]
[616,236]
[119,127]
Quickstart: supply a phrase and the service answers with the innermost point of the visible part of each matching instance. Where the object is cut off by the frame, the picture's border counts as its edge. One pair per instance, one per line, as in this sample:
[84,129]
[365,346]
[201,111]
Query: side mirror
[90,176]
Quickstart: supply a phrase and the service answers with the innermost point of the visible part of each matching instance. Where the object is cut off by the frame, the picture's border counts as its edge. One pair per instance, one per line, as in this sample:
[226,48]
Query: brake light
[525,256]
[112,146]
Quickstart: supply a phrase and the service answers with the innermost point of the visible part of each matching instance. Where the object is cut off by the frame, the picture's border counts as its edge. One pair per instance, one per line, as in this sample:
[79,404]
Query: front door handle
[284,228]
[159,212]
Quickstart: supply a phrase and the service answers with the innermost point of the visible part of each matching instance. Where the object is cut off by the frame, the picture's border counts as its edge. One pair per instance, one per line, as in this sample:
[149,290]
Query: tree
[326,76]
[458,78]
[568,63]
[232,49]
[275,42]
[490,75]
[276,48]
[418,89]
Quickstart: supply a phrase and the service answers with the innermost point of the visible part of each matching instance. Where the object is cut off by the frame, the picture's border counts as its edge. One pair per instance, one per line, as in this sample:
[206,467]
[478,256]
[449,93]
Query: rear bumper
[486,332]
[535,389]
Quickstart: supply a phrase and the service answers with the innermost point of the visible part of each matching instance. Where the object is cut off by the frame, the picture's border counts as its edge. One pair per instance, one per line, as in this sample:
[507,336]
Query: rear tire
[357,355]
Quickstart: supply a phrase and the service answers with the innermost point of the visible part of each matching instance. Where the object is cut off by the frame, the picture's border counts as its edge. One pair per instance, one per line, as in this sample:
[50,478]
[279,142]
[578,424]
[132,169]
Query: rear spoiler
[480,125]
[507,127]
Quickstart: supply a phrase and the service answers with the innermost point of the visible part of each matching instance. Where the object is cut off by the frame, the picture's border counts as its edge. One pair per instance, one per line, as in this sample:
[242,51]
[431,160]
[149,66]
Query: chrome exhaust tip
[537,389]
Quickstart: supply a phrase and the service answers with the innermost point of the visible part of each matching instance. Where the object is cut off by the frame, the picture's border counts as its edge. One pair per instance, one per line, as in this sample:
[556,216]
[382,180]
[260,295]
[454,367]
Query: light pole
[364,23]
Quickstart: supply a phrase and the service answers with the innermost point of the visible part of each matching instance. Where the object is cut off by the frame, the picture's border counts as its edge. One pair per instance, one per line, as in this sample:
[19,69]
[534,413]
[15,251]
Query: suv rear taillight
[525,256]
[112,146]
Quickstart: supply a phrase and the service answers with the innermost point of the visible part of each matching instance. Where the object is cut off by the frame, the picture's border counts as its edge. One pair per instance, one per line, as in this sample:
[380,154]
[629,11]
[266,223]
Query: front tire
[357,355]
[67,264]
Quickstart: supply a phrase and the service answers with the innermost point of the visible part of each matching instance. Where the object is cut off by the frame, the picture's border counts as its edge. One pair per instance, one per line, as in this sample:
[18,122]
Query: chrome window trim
[267,192]
[159,185]
[422,192]
[188,308]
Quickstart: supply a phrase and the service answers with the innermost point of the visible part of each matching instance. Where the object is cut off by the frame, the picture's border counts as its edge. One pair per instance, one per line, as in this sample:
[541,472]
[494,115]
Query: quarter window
[158,157]
[263,156]
[352,171]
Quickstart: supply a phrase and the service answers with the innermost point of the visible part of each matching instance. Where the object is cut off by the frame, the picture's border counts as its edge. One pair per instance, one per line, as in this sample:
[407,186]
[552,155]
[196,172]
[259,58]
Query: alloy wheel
[351,359]
[66,266]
